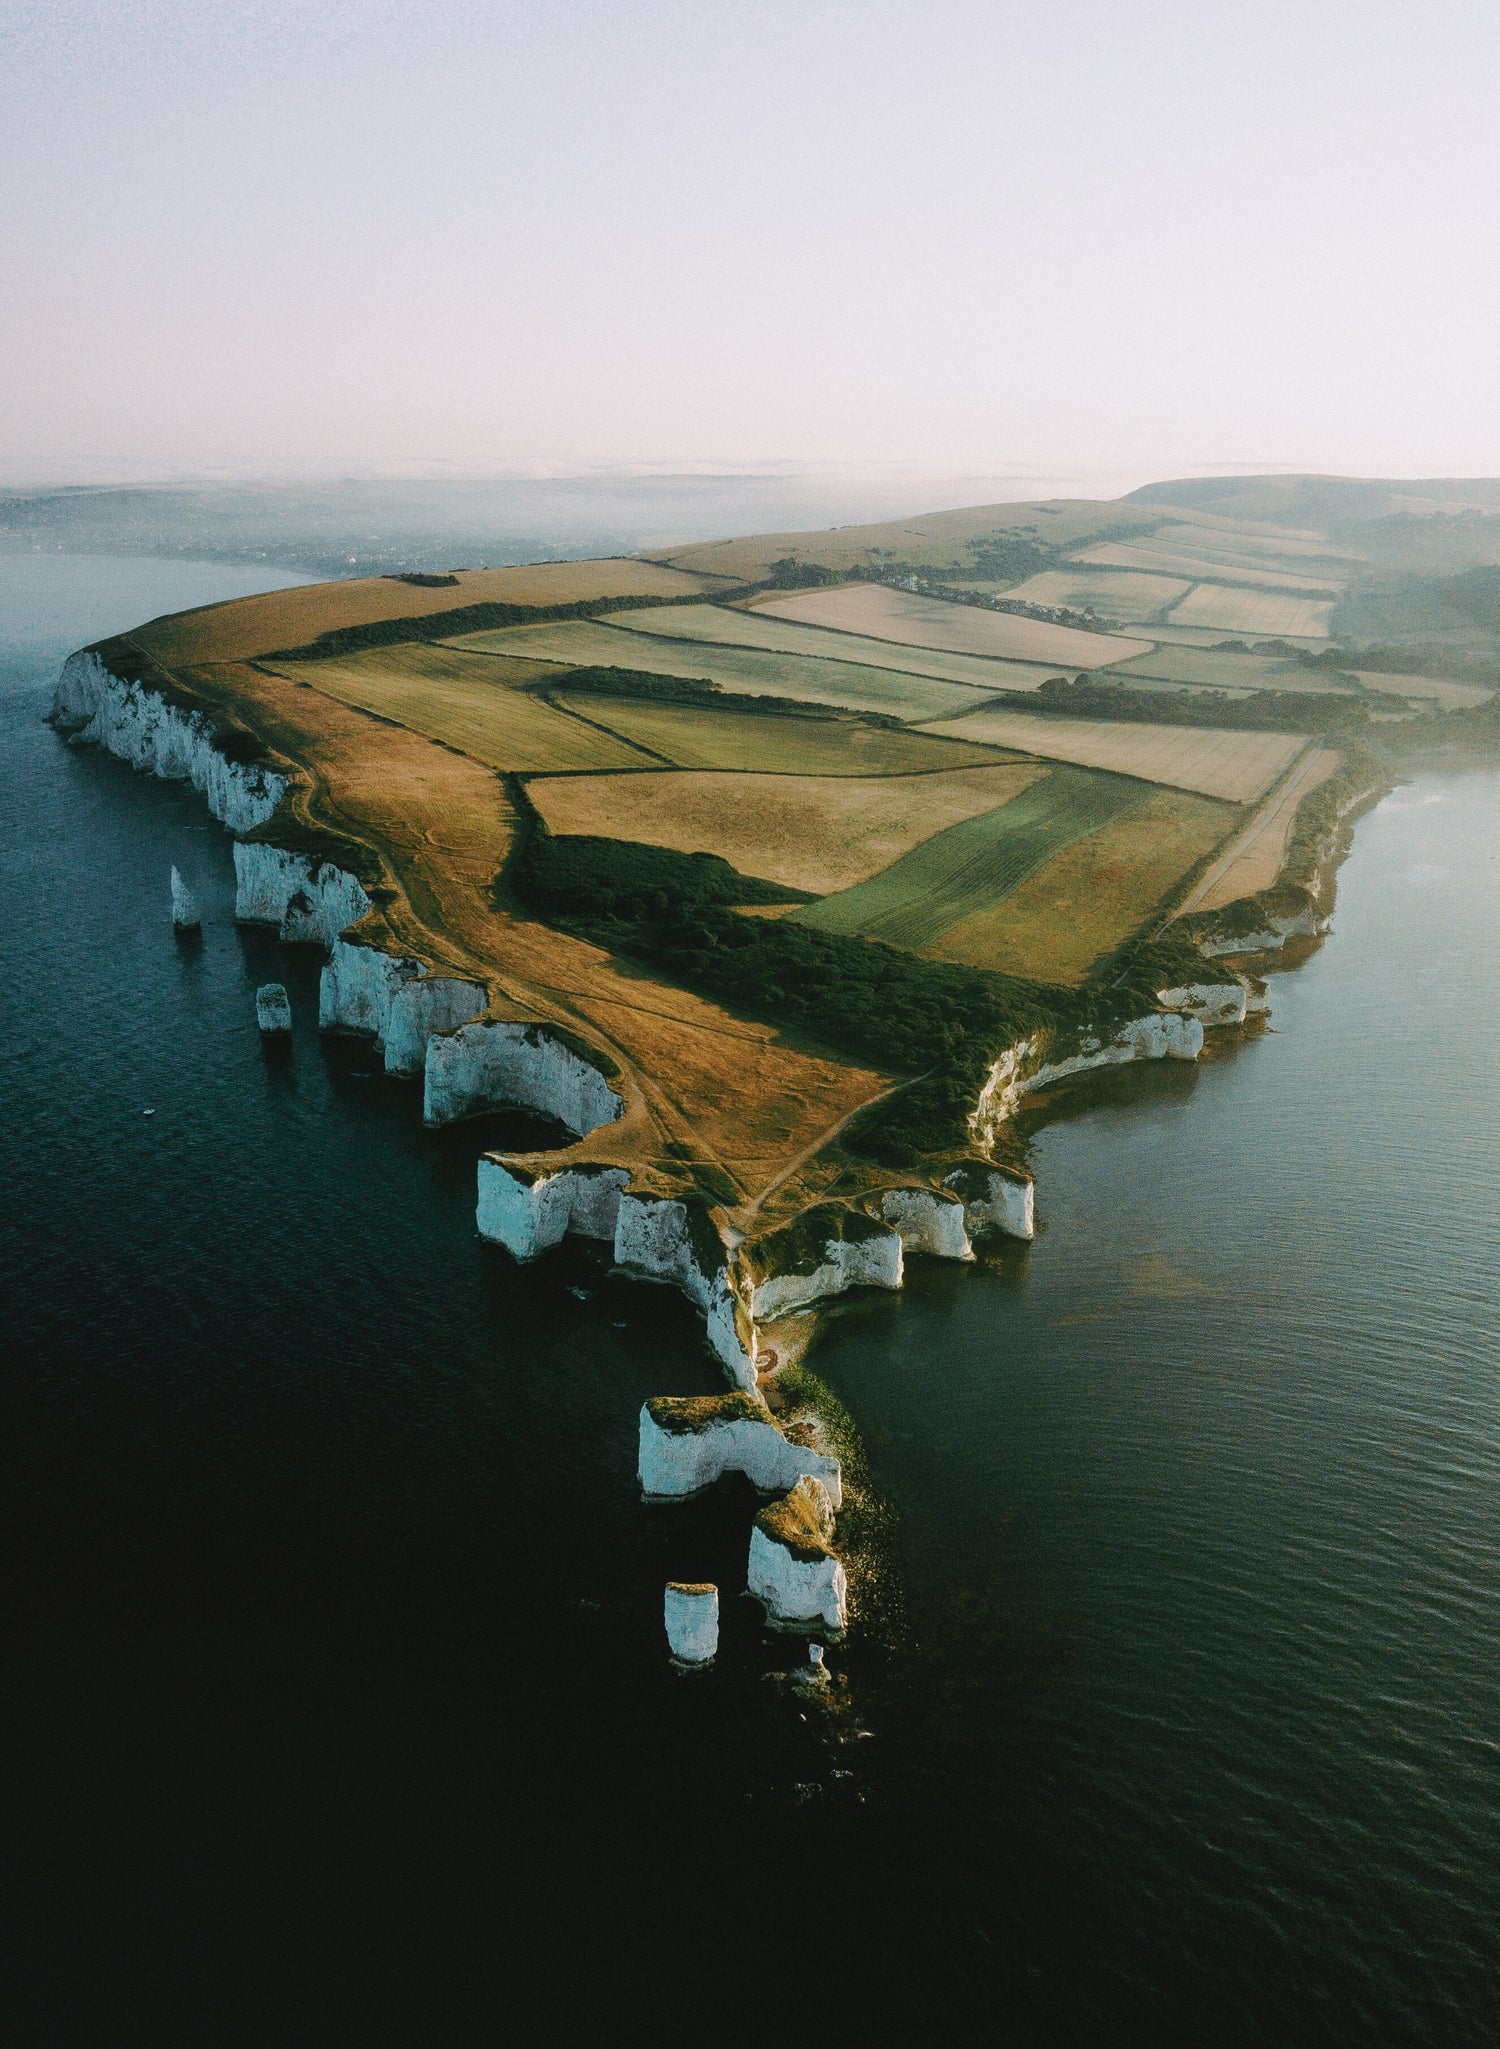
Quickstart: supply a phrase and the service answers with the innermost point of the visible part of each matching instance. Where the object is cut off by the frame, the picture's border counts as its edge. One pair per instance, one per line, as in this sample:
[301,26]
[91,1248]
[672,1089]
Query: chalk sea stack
[185,913]
[273,1010]
[692,1618]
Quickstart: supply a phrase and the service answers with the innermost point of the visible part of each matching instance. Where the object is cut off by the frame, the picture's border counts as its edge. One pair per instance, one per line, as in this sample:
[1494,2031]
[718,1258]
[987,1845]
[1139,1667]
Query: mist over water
[335,1691]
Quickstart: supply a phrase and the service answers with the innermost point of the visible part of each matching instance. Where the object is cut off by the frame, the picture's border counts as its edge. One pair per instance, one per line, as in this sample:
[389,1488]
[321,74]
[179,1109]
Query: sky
[1102,239]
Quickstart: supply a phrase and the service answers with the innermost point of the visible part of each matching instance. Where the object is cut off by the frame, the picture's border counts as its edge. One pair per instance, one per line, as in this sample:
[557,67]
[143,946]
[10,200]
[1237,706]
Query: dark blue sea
[335,1703]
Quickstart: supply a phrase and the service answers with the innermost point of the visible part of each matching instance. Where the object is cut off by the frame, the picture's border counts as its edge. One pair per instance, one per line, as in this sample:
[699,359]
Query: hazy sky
[1096,236]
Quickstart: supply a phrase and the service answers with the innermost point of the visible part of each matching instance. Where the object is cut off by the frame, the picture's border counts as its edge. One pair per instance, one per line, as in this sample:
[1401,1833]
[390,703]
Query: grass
[1261,852]
[968,540]
[798,1521]
[467,702]
[590,643]
[913,621]
[1165,561]
[1087,900]
[1213,669]
[254,626]
[1118,594]
[755,627]
[1245,546]
[727,738]
[687,1415]
[974,865]
[1216,762]
[1255,611]
[816,833]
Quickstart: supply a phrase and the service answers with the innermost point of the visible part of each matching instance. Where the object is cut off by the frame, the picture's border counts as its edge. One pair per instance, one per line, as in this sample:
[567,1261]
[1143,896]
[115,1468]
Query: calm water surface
[333,1683]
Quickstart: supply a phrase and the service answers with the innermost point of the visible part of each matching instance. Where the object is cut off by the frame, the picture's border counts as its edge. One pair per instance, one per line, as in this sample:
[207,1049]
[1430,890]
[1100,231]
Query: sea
[336,1703]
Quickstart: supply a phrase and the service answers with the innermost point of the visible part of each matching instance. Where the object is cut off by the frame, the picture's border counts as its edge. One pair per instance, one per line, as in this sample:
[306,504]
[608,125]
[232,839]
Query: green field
[762,743]
[460,700]
[1093,895]
[1210,670]
[722,626]
[974,865]
[586,643]
[1112,593]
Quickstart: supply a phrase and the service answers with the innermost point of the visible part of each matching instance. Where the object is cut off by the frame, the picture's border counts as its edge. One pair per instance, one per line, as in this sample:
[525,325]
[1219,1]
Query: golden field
[817,833]
[901,616]
[1213,761]
[1093,895]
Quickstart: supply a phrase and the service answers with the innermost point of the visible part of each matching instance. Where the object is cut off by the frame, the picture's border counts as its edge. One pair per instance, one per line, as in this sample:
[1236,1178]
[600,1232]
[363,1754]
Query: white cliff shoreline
[435,1026]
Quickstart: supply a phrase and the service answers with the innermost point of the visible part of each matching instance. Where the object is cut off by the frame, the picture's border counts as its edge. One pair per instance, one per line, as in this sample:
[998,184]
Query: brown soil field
[1257,612]
[1146,555]
[468,702]
[1094,894]
[717,1088]
[291,618]
[963,629]
[1254,861]
[818,833]
[1238,767]
[722,737]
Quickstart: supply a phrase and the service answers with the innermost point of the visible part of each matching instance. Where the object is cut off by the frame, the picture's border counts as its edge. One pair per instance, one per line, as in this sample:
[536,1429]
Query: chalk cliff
[308,901]
[186,915]
[481,1064]
[927,1221]
[273,1009]
[1269,937]
[1212,1003]
[689,1441]
[97,708]
[692,1618]
[995,1199]
[393,1000]
[793,1572]
[822,1252]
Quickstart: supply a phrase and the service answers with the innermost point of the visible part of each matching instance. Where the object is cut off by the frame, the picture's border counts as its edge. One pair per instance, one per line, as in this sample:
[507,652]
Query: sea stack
[793,1572]
[692,1614]
[185,913]
[273,1009]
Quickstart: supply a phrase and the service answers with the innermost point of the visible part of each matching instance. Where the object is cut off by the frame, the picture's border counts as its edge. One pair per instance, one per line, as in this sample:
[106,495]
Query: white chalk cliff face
[926,1221]
[273,1008]
[692,1617]
[995,1199]
[185,913]
[480,1064]
[1212,1003]
[308,901]
[655,1238]
[792,1573]
[874,1261]
[391,999]
[1271,937]
[1020,1069]
[139,726]
[688,1443]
